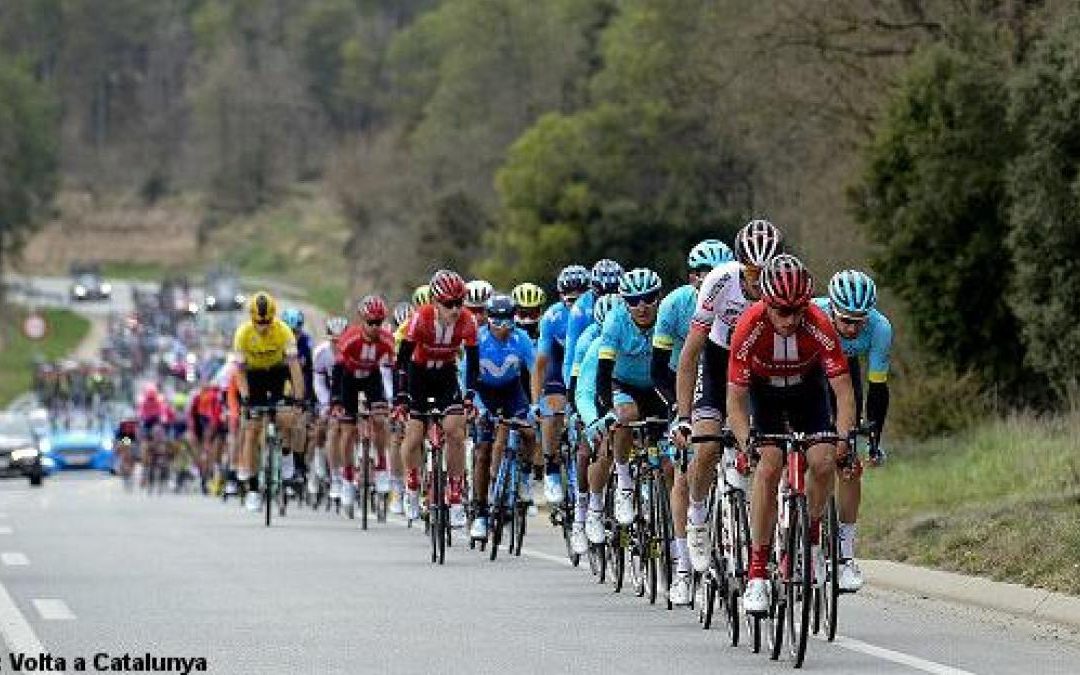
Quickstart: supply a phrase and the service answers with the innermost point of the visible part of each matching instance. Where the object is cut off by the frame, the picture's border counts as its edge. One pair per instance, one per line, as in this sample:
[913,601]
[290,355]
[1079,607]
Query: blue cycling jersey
[581,315]
[583,343]
[585,394]
[622,341]
[673,321]
[874,342]
[501,361]
[553,330]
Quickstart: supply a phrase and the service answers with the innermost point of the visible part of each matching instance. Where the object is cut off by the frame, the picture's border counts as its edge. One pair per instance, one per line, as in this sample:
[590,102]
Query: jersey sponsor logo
[714,290]
[751,339]
[822,338]
[488,366]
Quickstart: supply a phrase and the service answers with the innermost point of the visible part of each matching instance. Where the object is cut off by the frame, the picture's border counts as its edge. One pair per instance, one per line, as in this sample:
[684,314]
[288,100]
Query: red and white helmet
[372,308]
[447,286]
[785,282]
[757,243]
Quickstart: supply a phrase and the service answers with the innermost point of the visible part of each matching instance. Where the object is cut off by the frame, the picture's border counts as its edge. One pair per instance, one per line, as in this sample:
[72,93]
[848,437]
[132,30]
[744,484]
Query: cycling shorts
[351,387]
[805,406]
[649,403]
[710,391]
[435,388]
[508,401]
[267,386]
[553,373]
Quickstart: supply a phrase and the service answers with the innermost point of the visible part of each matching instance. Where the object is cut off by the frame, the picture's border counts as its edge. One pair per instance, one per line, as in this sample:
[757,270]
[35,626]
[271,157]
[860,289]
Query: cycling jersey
[581,315]
[629,346]
[154,409]
[502,361]
[261,351]
[585,394]
[874,342]
[399,334]
[303,352]
[720,303]
[673,321]
[362,356]
[584,341]
[758,352]
[323,362]
[437,344]
[553,331]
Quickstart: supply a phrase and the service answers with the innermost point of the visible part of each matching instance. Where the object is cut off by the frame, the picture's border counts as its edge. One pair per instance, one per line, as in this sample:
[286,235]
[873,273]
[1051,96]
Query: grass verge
[66,330]
[1001,501]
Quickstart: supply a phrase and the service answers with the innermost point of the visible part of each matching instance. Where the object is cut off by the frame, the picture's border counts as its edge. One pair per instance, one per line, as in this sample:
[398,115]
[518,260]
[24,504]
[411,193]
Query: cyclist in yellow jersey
[266,348]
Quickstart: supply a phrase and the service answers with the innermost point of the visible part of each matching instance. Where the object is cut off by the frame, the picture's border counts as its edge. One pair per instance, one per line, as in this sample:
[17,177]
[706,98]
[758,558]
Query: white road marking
[14,559]
[52,609]
[850,644]
[16,630]
[915,662]
[6,529]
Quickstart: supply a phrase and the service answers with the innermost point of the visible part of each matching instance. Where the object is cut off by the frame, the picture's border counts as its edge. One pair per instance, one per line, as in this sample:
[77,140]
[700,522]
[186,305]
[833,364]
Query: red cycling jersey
[362,356]
[208,404]
[438,344]
[758,352]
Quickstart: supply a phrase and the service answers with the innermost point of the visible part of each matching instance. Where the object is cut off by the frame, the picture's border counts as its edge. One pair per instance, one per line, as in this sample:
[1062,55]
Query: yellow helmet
[262,307]
[421,296]
[528,296]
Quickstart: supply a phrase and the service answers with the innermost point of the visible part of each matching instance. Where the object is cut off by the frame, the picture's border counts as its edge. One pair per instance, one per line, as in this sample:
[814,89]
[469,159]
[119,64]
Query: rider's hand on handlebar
[680,432]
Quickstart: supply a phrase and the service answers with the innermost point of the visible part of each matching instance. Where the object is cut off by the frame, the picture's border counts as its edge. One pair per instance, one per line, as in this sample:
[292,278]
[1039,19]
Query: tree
[932,196]
[1044,184]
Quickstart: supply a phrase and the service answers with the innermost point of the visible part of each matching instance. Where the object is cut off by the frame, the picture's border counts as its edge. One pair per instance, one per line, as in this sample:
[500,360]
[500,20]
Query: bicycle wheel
[737,530]
[800,585]
[708,588]
[778,586]
[830,539]
[521,514]
[441,530]
[268,476]
[365,482]
[433,511]
[652,526]
[639,543]
[664,532]
[497,516]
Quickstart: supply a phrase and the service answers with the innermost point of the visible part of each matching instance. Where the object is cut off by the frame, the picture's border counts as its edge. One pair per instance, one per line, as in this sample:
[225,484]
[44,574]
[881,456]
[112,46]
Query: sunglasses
[529,315]
[502,323]
[851,321]
[637,300]
[570,298]
[452,304]
[785,312]
[374,323]
[701,271]
[263,322]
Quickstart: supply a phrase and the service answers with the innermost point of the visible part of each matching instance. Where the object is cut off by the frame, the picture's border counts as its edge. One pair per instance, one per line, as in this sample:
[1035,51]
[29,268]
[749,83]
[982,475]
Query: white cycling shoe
[252,501]
[697,541]
[579,543]
[679,593]
[624,506]
[458,517]
[288,467]
[594,527]
[817,556]
[382,482]
[335,488]
[553,490]
[756,598]
[412,505]
[479,529]
[348,493]
[851,578]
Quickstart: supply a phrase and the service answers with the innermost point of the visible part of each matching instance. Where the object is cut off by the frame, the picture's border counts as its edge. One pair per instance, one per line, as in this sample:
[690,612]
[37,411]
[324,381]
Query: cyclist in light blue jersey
[583,390]
[604,279]
[505,354]
[676,310]
[864,332]
[548,385]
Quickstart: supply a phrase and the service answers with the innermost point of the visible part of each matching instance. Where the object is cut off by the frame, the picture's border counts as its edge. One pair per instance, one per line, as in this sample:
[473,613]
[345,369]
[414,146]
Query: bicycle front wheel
[799,586]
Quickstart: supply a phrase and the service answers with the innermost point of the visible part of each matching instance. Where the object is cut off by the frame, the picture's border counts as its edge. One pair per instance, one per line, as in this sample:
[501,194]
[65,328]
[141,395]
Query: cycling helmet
[757,243]
[709,253]
[293,318]
[786,282]
[447,286]
[500,307]
[573,279]
[639,281]
[477,293]
[336,325]
[372,308]
[421,296]
[262,307]
[604,305]
[605,276]
[852,292]
[528,296]
[401,312]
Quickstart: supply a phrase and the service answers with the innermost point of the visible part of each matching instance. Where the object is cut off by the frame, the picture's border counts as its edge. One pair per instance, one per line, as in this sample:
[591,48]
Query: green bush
[937,402]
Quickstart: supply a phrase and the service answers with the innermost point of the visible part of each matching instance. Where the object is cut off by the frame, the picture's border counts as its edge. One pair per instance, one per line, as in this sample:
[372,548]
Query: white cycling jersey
[720,303]
[322,361]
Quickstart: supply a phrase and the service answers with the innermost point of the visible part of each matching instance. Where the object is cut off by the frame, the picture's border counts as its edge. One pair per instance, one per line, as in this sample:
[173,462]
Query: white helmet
[757,243]
[477,293]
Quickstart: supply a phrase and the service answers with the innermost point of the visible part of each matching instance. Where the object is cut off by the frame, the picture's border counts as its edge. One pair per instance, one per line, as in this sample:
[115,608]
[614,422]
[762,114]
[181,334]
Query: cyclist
[864,331]
[267,364]
[672,327]
[782,350]
[427,369]
[294,319]
[207,428]
[365,359]
[529,302]
[622,374]
[724,295]
[323,358]
[477,294]
[591,484]
[506,354]
[548,379]
[603,279]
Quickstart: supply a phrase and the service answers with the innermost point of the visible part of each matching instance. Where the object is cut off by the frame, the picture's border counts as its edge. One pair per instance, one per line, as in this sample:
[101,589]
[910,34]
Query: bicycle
[505,506]
[270,458]
[563,515]
[370,499]
[791,574]
[651,534]
[438,515]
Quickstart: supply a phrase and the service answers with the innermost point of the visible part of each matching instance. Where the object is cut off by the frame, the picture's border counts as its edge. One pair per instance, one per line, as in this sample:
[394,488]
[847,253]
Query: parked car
[19,453]
[87,284]
[80,442]
[223,292]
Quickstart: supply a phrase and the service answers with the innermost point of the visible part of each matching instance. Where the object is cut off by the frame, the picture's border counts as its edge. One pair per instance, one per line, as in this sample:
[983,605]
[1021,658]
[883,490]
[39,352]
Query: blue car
[85,448]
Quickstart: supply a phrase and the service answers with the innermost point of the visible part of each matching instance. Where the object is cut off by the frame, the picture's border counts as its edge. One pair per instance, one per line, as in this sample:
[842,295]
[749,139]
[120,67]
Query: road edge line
[18,635]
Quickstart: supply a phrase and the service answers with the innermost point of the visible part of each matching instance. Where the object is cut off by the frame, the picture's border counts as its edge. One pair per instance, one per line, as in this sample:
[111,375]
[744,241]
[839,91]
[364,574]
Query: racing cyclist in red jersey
[782,349]
[365,358]
[427,378]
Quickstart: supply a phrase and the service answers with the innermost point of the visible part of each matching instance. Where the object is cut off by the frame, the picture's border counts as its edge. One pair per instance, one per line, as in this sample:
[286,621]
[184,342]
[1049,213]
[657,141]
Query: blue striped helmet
[293,318]
[639,281]
[573,279]
[605,276]
[605,304]
[709,253]
[852,292]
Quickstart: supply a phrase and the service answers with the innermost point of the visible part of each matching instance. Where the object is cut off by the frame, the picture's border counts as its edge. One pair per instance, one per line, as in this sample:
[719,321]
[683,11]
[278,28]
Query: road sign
[34,326]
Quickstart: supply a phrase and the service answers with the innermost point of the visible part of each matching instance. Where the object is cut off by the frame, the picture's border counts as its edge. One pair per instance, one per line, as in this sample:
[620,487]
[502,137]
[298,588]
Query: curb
[1030,603]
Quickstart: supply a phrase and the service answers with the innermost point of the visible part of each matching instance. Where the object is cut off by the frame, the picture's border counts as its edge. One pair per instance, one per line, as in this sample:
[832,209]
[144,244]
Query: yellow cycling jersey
[399,334]
[259,351]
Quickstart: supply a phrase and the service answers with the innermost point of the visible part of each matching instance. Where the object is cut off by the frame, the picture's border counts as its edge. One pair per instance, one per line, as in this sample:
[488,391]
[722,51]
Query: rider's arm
[877,405]
[296,373]
[538,374]
[525,379]
[242,381]
[321,385]
[877,390]
[738,409]
[472,367]
[663,379]
[605,369]
[845,404]
[404,357]
[686,377]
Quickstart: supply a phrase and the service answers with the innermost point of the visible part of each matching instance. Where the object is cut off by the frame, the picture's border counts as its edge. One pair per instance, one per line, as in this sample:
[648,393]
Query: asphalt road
[87,568]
